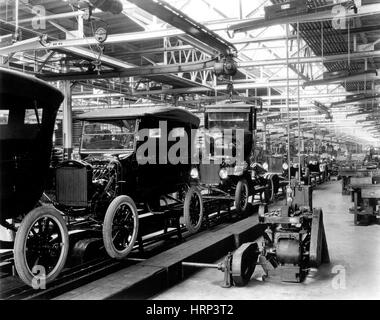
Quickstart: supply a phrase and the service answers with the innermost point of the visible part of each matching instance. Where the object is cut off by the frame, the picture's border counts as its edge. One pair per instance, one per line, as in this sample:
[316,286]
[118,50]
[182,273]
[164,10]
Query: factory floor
[353,272]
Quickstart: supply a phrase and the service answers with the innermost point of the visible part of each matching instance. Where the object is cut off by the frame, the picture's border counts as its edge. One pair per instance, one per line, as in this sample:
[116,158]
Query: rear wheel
[193,210]
[120,227]
[241,196]
[41,246]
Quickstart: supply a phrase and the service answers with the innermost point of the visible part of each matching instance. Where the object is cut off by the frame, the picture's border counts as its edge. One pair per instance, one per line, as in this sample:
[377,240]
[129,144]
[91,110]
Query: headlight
[223,174]
[285,166]
[194,174]
[265,165]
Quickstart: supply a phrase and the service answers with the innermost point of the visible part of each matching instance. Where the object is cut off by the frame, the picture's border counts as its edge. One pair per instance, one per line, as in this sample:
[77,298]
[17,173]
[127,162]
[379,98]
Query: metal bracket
[226,268]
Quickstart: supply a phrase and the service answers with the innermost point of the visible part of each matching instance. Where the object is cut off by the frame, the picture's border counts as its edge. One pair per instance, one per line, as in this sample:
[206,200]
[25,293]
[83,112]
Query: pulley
[225,67]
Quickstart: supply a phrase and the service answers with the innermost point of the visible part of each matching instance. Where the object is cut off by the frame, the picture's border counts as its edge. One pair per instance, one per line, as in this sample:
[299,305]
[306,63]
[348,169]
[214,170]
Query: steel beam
[131,72]
[316,33]
[67,120]
[368,75]
[237,86]
[203,99]
[315,59]
[354,99]
[65,15]
[97,96]
[38,44]
[88,54]
[364,10]
[309,96]
[178,19]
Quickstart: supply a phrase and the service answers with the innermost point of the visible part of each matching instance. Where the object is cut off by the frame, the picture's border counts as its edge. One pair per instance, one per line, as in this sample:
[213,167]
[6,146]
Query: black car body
[230,174]
[31,107]
[109,145]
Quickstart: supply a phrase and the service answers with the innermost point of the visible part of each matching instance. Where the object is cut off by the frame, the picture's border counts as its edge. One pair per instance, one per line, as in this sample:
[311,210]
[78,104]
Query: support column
[265,136]
[67,121]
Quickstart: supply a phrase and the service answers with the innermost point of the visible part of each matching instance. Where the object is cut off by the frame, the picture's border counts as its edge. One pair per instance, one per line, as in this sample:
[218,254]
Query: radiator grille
[71,186]
[209,173]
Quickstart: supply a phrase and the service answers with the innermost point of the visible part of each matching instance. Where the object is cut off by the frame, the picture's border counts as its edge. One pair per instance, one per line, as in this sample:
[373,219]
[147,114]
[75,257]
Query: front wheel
[120,227]
[241,196]
[41,246]
[193,210]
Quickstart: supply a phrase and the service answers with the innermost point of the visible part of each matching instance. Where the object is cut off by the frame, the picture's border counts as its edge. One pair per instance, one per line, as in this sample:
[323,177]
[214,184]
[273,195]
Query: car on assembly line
[106,191]
[125,170]
[25,143]
[227,171]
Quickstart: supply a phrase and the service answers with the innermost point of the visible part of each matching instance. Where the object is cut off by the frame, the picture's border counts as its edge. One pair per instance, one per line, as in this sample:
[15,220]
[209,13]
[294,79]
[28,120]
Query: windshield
[109,135]
[228,120]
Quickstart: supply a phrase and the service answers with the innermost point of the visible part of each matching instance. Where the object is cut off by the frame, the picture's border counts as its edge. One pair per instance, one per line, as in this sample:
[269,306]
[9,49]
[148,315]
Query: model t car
[226,171]
[26,140]
[119,177]
[135,162]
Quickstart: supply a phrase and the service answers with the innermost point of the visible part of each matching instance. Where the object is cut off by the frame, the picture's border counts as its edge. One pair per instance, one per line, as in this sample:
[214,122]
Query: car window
[31,116]
[228,120]
[109,135]
[4,114]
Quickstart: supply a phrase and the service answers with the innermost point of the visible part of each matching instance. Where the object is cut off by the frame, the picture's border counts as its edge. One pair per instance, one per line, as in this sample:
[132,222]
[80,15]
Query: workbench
[366,198]
[346,175]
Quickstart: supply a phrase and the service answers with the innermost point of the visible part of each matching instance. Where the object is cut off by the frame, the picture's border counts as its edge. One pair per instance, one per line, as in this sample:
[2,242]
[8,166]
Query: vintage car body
[225,175]
[25,147]
[276,168]
[108,157]
[116,170]
[25,144]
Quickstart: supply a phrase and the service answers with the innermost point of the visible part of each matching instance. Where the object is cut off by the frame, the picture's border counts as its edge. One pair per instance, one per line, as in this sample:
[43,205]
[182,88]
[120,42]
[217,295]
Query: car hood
[107,155]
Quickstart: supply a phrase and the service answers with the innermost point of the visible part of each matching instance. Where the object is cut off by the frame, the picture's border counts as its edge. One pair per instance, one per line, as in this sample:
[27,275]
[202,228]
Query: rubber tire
[271,186]
[186,210]
[21,236]
[240,185]
[107,227]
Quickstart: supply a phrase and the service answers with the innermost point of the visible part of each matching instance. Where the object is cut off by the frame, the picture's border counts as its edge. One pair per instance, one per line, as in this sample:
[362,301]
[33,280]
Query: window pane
[31,117]
[4,114]
[109,135]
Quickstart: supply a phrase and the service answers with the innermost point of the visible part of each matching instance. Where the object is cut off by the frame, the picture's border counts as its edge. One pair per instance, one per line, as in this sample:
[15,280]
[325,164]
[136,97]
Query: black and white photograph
[189,156]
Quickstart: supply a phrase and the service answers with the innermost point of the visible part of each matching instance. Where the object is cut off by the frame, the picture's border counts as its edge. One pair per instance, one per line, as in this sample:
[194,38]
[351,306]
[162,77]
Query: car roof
[159,112]
[229,107]
[22,89]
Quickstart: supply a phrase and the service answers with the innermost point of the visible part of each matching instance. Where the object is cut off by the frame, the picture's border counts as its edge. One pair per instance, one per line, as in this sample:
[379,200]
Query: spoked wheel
[41,246]
[120,227]
[241,196]
[193,210]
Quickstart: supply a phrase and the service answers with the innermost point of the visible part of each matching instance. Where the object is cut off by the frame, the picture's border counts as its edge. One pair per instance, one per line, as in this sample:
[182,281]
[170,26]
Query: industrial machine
[294,242]
[365,194]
